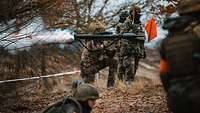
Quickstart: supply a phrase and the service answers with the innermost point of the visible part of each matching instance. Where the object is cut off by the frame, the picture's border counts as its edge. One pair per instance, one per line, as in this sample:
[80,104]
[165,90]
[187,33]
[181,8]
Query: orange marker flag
[151,29]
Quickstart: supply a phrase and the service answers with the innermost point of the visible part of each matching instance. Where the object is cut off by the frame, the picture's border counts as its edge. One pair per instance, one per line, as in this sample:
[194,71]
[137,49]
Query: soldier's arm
[164,70]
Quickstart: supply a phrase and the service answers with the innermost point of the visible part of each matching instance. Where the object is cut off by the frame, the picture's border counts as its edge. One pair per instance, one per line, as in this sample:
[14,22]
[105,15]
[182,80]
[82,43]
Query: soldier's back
[182,46]
[181,50]
[67,105]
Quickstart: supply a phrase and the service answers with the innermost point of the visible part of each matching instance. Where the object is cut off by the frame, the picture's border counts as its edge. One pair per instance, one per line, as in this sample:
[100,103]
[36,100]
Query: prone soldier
[82,100]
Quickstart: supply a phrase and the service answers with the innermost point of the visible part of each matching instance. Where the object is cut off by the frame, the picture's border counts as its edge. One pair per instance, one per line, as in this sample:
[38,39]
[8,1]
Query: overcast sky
[63,35]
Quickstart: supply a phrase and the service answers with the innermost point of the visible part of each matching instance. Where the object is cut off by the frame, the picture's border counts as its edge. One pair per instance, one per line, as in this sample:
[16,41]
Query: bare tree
[72,14]
[18,14]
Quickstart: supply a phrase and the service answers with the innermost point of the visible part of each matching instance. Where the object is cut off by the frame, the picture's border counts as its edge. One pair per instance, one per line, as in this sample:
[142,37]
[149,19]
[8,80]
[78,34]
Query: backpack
[64,105]
[183,54]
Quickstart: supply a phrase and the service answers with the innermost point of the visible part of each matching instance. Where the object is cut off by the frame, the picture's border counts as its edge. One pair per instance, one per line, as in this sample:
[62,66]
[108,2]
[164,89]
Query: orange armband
[163,66]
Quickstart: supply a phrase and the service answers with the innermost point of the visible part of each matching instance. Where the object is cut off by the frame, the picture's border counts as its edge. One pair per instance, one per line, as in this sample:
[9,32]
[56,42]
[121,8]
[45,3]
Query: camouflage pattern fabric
[181,50]
[67,105]
[188,6]
[95,58]
[130,52]
[85,92]
[78,102]
[94,61]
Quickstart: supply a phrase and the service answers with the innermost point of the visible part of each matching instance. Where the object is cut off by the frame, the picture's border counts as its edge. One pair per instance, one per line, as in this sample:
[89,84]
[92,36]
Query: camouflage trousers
[88,73]
[128,60]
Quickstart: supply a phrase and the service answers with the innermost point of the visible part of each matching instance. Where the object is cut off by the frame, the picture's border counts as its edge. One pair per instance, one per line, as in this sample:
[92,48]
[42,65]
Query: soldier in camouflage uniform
[94,57]
[82,101]
[130,52]
[180,59]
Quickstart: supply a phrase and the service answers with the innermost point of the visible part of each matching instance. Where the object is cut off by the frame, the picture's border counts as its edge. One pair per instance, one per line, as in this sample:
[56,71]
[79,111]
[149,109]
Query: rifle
[127,36]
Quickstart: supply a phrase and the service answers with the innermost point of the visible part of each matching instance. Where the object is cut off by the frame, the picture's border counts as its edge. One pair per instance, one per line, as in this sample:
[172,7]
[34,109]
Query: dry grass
[139,84]
[144,78]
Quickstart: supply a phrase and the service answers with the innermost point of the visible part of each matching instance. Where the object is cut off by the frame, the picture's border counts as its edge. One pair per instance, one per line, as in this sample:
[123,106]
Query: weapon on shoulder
[128,36]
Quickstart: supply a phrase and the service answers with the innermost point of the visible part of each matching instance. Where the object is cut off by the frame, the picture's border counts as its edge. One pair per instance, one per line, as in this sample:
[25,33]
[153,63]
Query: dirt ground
[144,95]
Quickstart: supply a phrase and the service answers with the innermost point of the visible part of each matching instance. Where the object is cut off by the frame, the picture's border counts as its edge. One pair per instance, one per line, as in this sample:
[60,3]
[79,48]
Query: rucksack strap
[70,99]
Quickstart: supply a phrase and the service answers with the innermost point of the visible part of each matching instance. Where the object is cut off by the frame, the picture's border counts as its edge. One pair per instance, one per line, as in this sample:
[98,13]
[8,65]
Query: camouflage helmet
[135,8]
[85,92]
[188,6]
[95,26]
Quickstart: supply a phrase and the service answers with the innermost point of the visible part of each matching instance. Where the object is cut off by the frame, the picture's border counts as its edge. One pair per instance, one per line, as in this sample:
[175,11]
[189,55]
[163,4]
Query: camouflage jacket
[91,56]
[128,46]
[181,51]
[68,105]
